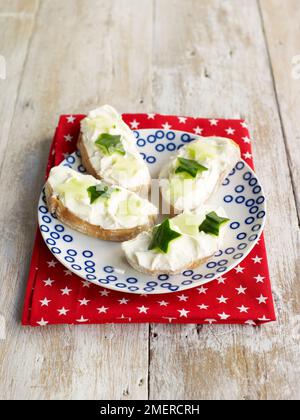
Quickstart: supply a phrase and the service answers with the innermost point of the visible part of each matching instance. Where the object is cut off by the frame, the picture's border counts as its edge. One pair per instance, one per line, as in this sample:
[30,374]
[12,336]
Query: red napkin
[57,296]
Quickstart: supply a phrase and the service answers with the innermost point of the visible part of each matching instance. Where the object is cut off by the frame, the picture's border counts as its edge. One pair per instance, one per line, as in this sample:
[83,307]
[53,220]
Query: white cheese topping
[122,210]
[129,170]
[188,248]
[217,154]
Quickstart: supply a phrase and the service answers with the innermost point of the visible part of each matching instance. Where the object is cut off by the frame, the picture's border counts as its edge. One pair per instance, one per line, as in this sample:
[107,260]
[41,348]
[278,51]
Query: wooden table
[223,58]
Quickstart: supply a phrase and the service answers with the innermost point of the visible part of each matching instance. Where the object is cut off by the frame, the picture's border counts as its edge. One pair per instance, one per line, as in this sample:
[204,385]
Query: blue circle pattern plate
[103,263]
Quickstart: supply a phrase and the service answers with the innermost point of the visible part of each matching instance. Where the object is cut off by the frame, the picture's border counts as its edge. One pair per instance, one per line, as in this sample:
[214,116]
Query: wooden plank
[281,21]
[16,22]
[18,9]
[205,64]
[210,59]
[82,54]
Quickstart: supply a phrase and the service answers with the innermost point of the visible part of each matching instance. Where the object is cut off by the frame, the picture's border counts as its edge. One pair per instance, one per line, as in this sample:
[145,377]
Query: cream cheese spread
[217,154]
[128,170]
[122,210]
[191,246]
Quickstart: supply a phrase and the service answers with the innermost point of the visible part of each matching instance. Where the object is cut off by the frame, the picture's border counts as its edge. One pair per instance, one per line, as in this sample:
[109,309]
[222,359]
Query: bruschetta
[108,150]
[180,243]
[94,208]
[190,178]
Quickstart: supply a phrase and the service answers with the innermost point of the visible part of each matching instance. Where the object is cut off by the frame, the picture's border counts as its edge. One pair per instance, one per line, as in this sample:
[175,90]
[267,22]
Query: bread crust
[91,170]
[76,223]
[191,266]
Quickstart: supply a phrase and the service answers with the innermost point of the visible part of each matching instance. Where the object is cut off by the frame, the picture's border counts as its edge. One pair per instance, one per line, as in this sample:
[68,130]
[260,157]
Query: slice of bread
[206,184]
[70,218]
[126,169]
[190,249]
[85,158]
[169,272]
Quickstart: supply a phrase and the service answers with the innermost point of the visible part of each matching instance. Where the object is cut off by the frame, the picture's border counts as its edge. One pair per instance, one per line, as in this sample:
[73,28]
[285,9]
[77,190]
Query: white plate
[103,263]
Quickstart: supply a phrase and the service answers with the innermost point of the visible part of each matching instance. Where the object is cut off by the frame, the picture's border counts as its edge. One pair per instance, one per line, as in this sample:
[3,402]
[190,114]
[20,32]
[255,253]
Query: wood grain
[16,23]
[67,69]
[204,58]
[214,62]
[281,22]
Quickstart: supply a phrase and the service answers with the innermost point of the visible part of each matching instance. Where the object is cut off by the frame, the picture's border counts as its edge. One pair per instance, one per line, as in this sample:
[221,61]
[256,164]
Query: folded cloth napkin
[57,296]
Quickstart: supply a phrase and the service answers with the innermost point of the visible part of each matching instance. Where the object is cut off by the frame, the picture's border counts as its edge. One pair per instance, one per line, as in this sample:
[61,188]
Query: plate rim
[201,282]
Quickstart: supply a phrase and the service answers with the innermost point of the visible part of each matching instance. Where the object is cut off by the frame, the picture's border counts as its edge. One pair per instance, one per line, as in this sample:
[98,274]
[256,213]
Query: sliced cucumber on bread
[94,208]
[190,178]
[108,150]
[177,244]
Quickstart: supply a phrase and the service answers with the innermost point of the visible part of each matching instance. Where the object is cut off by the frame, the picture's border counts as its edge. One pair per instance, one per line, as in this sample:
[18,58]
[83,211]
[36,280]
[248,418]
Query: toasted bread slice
[70,211]
[169,272]
[85,158]
[190,249]
[108,150]
[207,161]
